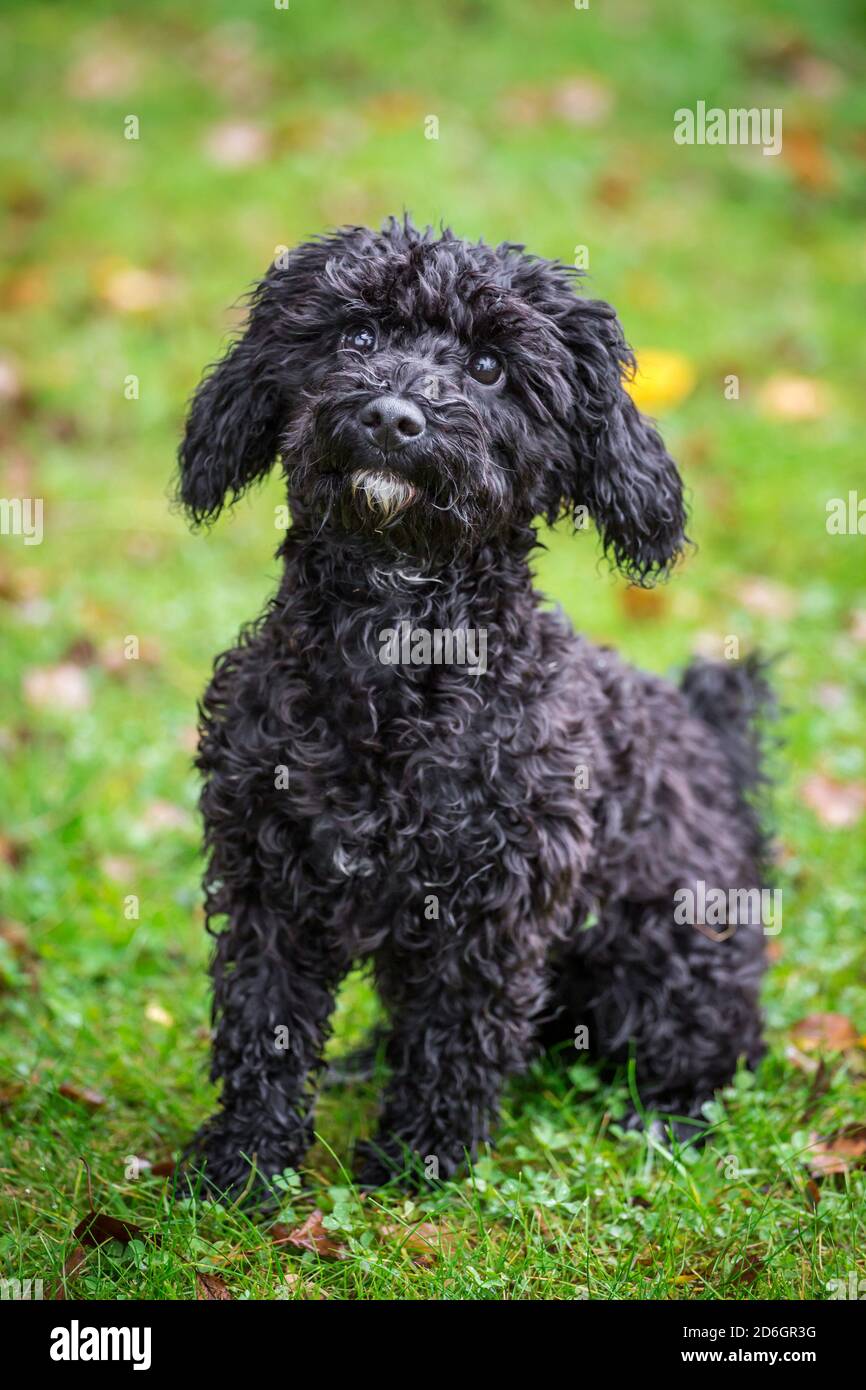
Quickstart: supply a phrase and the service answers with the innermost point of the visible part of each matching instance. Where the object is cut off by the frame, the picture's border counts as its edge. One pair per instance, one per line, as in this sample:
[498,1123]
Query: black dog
[502,836]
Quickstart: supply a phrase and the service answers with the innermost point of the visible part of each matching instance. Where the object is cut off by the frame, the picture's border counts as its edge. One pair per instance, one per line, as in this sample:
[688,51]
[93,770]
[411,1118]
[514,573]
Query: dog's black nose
[392,421]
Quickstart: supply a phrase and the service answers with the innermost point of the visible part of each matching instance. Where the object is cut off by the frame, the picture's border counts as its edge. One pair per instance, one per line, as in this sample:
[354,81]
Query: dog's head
[435,392]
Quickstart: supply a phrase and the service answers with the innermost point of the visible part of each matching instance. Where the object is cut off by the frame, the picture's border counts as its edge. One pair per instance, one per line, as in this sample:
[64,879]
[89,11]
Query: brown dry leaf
[582,101]
[805,155]
[746,1268]
[97,1229]
[188,739]
[63,687]
[642,605]
[113,657]
[228,61]
[794,398]
[163,1168]
[93,1100]
[857,630]
[813,1193]
[825,1033]
[18,941]
[163,815]
[9,1094]
[71,1265]
[236,144]
[118,868]
[767,598]
[80,652]
[12,852]
[836,804]
[210,1288]
[106,69]
[11,390]
[131,289]
[395,110]
[840,1153]
[312,1235]
[424,1242]
[25,289]
[830,696]
[304,1287]
[614,190]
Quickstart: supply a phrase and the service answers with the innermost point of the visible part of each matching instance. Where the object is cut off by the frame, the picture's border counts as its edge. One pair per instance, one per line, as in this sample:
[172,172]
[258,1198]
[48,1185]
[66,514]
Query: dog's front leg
[273,997]
[459,1029]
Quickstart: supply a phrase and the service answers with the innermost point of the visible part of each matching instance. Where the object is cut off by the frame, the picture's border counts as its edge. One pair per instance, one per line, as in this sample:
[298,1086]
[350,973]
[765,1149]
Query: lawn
[739,279]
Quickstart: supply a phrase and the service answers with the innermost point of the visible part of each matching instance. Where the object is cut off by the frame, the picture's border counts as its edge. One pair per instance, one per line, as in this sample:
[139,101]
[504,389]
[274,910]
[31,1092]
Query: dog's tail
[736,700]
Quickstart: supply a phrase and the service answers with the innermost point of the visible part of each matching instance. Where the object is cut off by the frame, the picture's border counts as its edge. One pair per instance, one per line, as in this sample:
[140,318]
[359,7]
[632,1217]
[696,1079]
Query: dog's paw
[229,1163]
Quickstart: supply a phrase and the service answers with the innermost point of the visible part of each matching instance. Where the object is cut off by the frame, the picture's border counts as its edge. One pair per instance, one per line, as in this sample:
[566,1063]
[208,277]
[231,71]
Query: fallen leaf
[71,1266]
[312,1235]
[424,1242]
[642,605]
[746,1268]
[840,1153]
[582,101]
[794,398]
[114,659]
[9,1094]
[18,940]
[614,190]
[118,868]
[394,110]
[164,1168]
[11,390]
[12,852]
[162,815]
[836,804]
[105,70]
[80,652]
[157,1014]
[830,696]
[304,1286]
[93,1100]
[236,144]
[662,380]
[857,629]
[825,1033]
[97,1229]
[804,153]
[767,598]
[210,1287]
[63,687]
[131,289]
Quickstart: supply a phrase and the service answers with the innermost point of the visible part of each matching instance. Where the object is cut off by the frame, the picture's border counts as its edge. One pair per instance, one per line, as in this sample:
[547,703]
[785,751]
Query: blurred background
[124,261]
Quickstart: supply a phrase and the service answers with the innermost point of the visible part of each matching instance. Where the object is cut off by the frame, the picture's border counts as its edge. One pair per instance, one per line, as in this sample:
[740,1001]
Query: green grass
[741,264]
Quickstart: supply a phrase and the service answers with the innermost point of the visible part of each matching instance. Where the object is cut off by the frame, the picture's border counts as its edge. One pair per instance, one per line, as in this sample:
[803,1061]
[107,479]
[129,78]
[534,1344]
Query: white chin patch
[383,492]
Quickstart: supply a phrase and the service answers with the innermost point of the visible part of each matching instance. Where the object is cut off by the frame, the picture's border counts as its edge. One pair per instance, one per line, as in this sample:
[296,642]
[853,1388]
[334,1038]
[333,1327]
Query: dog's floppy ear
[232,430]
[624,476]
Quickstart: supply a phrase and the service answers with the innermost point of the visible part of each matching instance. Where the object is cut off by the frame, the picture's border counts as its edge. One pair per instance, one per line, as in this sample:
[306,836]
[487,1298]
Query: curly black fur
[409,785]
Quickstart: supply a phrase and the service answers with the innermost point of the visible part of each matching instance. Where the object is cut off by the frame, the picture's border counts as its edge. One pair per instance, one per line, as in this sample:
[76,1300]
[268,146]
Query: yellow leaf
[663,379]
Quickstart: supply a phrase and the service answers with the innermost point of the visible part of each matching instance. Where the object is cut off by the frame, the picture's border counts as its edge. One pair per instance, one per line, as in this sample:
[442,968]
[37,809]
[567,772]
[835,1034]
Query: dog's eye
[486,368]
[362,339]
